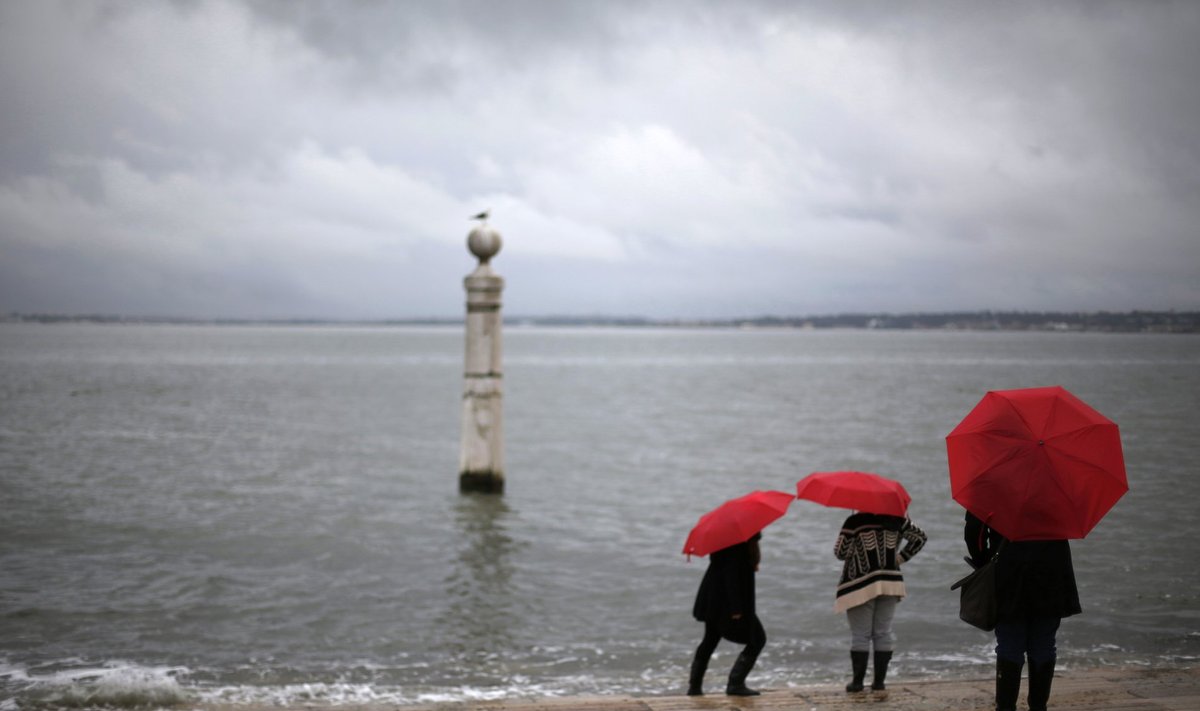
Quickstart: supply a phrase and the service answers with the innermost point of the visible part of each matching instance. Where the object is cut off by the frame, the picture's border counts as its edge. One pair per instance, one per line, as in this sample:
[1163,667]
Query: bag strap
[991,561]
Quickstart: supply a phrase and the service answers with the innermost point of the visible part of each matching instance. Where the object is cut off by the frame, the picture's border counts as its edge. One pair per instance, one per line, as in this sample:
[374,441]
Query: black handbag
[736,631]
[977,599]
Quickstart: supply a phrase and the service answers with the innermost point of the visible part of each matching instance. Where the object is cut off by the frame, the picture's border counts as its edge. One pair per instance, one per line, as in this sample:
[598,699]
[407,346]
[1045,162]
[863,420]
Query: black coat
[1033,578]
[727,588]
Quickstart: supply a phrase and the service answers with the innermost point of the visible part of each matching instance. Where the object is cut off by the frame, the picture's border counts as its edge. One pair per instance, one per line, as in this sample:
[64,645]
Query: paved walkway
[1101,689]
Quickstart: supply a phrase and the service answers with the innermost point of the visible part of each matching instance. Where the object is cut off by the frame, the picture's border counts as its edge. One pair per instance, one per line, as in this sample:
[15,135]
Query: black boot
[737,676]
[696,678]
[1040,677]
[1008,684]
[881,665]
[858,664]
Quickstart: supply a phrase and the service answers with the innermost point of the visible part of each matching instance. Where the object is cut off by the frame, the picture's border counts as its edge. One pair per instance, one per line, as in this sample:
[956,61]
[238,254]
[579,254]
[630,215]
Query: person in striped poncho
[871,585]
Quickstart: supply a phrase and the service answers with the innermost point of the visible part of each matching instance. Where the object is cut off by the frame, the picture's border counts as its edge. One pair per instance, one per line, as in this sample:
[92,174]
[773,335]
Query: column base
[482,482]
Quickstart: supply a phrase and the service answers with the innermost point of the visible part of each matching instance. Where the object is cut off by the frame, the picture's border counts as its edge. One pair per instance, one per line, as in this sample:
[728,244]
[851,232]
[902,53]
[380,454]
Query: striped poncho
[870,546]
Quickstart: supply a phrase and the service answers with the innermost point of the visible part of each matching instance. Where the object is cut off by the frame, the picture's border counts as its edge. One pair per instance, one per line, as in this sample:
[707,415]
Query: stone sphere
[484,242]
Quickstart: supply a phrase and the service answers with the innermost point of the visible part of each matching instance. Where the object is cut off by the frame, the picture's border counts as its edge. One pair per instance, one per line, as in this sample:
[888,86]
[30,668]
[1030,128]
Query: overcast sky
[663,159]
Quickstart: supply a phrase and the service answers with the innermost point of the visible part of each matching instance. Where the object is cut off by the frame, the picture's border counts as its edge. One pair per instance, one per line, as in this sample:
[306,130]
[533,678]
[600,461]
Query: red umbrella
[1036,464]
[736,520]
[860,491]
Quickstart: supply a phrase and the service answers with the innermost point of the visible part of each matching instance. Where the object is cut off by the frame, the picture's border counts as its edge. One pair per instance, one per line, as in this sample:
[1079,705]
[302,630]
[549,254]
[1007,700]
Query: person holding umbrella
[1033,467]
[871,585]
[725,602]
[869,544]
[1035,589]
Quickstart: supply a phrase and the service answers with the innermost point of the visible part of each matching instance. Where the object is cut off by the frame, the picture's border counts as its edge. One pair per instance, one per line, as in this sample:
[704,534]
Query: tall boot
[858,663]
[737,676]
[696,678]
[1008,684]
[881,665]
[1041,675]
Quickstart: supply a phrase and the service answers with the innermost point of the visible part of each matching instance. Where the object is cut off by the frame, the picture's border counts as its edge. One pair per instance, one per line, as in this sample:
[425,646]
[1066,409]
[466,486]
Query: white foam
[11,672]
[114,684]
[291,694]
[359,694]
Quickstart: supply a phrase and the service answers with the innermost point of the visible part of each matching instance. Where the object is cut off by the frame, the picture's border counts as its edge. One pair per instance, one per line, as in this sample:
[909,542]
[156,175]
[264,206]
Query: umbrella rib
[1012,453]
[1081,513]
[1021,416]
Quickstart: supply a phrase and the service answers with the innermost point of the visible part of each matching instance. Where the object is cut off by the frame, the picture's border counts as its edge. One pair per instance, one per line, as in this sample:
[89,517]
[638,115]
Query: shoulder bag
[977,599]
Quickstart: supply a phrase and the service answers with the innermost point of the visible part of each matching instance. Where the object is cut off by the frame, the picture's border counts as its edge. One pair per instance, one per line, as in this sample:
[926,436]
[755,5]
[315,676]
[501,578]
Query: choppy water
[253,514]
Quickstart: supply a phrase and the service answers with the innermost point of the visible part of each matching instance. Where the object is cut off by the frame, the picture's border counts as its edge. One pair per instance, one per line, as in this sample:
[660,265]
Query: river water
[248,514]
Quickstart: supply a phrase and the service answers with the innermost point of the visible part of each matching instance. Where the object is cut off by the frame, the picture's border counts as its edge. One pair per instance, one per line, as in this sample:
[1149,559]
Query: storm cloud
[664,159]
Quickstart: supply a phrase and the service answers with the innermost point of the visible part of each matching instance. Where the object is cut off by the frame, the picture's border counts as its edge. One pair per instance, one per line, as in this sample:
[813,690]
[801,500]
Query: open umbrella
[861,491]
[1036,464]
[736,520]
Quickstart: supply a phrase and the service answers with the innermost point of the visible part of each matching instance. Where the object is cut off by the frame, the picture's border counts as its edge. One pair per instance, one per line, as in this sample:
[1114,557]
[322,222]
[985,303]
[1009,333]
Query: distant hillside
[1102,321]
[1124,322]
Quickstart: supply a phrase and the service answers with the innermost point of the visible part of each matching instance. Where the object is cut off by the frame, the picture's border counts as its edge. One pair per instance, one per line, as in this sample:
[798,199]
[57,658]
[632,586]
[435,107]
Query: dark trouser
[1033,638]
[745,661]
[1015,640]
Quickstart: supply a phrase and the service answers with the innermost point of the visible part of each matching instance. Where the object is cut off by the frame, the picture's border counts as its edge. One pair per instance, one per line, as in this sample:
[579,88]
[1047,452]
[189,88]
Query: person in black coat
[1035,589]
[725,604]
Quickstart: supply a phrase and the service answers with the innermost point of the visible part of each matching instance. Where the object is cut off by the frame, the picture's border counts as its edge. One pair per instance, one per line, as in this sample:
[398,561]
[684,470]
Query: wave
[111,685]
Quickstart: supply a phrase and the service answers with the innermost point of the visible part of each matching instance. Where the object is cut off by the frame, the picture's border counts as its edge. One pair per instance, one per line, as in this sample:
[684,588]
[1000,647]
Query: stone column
[481,461]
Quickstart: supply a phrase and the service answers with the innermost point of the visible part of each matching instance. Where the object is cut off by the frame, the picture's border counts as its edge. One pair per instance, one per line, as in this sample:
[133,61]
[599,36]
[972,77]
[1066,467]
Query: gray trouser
[871,623]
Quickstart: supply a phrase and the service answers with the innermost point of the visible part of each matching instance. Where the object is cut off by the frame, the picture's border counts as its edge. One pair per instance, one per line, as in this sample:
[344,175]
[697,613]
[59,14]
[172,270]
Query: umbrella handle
[984,529]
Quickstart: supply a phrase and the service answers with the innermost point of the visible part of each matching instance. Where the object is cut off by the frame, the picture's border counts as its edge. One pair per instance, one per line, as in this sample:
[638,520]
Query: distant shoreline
[1052,321]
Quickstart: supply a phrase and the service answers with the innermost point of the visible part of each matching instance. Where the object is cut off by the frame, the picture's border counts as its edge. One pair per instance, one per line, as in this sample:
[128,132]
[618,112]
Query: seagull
[482,217]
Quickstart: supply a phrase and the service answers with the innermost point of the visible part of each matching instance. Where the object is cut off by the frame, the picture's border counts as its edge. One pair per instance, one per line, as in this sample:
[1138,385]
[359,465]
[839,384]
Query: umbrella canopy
[736,520]
[861,491]
[1036,464]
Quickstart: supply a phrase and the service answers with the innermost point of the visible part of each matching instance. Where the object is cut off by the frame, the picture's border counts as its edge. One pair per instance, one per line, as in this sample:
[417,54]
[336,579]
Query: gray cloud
[220,158]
